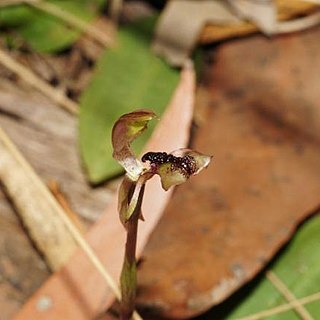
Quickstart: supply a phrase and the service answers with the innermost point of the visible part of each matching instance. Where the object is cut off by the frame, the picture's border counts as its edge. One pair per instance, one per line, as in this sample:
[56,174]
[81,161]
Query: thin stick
[72,20]
[282,308]
[30,77]
[35,205]
[312,1]
[299,24]
[80,240]
[93,258]
[74,232]
[290,297]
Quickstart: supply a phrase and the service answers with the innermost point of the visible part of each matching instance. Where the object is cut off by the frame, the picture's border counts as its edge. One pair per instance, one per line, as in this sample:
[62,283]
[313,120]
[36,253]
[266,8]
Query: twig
[30,77]
[282,308]
[36,206]
[32,179]
[312,1]
[284,290]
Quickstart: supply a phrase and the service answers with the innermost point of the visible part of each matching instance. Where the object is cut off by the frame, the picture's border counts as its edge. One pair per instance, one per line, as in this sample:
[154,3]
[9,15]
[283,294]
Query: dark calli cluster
[185,164]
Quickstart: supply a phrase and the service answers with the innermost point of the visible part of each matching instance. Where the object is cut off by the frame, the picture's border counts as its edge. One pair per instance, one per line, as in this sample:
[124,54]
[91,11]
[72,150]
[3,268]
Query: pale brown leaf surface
[260,118]
[180,25]
[78,284]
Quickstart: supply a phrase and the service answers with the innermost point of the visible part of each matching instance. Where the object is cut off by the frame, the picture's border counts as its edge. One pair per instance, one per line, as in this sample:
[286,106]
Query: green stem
[128,279]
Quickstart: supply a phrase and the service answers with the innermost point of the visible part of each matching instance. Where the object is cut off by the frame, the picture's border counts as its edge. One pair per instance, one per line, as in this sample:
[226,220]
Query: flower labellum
[174,170]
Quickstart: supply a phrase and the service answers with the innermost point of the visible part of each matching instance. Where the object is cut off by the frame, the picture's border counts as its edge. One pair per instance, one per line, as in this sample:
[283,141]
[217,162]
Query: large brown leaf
[260,118]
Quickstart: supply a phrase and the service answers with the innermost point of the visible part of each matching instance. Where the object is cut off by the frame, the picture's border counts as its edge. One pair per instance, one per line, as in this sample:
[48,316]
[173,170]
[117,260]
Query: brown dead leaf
[77,292]
[261,122]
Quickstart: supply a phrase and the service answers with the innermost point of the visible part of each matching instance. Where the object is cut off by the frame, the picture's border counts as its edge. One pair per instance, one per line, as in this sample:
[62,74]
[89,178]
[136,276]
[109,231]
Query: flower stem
[128,279]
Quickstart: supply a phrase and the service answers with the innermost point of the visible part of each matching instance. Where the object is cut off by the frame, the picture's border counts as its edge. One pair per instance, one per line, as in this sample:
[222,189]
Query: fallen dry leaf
[181,23]
[261,122]
[77,292]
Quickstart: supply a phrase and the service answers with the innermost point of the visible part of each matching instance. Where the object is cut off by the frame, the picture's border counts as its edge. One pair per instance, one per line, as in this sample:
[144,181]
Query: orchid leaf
[125,130]
[128,75]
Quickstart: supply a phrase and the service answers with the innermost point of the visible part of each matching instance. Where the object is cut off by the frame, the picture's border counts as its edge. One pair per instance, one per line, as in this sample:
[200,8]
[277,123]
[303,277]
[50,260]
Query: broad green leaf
[127,77]
[44,32]
[298,268]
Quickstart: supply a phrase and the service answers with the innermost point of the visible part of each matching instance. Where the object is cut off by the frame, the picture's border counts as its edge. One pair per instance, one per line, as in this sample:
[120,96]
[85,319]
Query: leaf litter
[185,23]
[259,117]
[288,117]
[297,267]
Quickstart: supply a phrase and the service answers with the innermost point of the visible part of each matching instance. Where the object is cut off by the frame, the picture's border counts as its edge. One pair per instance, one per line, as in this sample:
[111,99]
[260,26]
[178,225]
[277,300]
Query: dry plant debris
[260,117]
[37,207]
[46,135]
[294,118]
[182,23]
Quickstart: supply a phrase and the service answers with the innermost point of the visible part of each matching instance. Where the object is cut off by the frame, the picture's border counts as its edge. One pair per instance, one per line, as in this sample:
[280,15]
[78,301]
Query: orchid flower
[174,168]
